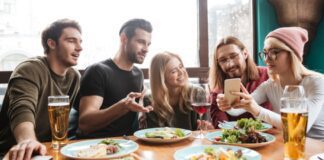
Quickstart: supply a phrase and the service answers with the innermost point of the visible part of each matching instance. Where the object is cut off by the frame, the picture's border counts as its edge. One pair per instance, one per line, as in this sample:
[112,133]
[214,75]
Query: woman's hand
[247,102]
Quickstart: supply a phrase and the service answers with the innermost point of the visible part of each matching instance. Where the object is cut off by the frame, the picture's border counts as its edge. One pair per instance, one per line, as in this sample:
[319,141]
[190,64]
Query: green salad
[231,135]
[241,136]
[249,123]
[110,142]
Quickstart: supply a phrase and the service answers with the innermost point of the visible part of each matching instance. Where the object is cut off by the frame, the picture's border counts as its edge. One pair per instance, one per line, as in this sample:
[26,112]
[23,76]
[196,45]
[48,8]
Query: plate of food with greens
[246,123]
[163,135]
[100,149]
[238,137]
[216,152]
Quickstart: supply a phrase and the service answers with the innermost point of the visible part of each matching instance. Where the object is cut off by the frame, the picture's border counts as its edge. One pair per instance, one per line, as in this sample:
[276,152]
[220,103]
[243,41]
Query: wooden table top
[149,151]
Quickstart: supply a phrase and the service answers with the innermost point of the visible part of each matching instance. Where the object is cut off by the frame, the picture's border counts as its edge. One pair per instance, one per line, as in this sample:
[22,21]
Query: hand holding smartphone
[232,85]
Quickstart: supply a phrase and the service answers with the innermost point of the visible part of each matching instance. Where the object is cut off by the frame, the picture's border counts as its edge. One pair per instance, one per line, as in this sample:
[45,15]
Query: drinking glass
[200,99]
[294,91]
[294,116]
[58,112]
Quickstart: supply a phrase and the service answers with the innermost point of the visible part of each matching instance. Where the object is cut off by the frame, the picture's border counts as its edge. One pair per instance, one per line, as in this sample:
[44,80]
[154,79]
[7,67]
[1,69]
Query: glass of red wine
[200,99]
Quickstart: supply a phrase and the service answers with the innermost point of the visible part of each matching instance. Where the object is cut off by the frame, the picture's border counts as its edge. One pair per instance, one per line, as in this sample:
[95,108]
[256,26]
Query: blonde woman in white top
[283,55]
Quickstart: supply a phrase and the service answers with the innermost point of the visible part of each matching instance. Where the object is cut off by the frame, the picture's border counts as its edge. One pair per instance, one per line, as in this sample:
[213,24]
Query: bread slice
[96,151]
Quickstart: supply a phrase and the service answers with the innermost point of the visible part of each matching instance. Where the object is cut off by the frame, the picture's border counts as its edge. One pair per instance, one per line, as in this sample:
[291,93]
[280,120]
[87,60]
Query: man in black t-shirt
[109,88]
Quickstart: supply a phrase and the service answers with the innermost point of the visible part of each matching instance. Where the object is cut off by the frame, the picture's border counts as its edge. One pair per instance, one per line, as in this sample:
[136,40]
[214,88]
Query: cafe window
[189,28]
[231,18]
[174,27]
[9,61]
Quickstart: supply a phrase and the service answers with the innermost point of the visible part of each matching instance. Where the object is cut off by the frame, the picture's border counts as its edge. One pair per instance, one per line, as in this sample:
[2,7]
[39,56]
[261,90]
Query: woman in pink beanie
[283,55]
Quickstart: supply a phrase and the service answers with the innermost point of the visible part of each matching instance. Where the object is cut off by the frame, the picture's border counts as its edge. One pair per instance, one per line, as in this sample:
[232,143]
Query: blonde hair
[297,68]
[216,74]
[160,91]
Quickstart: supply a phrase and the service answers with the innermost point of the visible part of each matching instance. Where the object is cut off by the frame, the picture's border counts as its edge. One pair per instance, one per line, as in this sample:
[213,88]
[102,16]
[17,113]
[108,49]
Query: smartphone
[232,85]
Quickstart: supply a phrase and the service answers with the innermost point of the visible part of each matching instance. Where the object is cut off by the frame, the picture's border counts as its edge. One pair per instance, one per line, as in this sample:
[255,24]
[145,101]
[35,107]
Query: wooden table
[149,151]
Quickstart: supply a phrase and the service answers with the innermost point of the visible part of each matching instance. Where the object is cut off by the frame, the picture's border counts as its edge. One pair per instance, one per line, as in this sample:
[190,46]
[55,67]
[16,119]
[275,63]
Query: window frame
[200,72]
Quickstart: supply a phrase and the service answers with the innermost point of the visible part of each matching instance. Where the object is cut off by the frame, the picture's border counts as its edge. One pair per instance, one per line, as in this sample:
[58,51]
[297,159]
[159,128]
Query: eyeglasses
[223,61]
[271,53]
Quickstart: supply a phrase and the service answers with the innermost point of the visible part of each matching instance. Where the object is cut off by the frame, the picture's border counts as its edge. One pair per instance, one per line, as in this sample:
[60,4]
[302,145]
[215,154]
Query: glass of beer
[58,112]
[294,115]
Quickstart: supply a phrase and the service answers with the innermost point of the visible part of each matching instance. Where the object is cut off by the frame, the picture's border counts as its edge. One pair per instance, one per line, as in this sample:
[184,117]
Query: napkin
[317,156]
[235,112]
[39,157]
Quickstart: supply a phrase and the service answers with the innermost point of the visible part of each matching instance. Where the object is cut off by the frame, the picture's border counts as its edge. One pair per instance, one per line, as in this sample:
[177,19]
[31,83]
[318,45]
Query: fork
[225,123]
[126,137]
[128,140]
[230,125]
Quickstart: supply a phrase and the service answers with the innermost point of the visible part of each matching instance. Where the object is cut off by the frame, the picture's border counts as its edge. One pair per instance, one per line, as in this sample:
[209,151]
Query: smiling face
[175,73]
[231,60]
[280,65]
[68,48]
[137,46]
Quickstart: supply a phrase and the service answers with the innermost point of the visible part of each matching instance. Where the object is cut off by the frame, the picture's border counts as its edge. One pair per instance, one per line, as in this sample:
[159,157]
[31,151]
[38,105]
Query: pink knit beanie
[294,37]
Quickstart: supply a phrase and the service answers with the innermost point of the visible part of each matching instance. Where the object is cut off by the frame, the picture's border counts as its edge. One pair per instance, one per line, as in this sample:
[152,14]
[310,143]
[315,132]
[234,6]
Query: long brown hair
[216,74]
[160,91]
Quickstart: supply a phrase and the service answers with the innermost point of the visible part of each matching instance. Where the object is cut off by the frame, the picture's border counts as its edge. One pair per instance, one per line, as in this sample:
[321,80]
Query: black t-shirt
[105,79]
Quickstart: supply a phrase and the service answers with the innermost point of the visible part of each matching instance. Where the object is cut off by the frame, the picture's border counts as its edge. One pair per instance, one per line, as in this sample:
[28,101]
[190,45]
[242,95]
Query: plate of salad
[216,152]
[163,135]
[246,123]
[100,149]
[244,138]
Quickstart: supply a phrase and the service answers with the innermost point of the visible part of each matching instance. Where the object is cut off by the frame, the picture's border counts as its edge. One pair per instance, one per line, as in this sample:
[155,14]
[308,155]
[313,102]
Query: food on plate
[247,123]
[219,154]
[165,133]
[124,158]
[240,136]
[102,149]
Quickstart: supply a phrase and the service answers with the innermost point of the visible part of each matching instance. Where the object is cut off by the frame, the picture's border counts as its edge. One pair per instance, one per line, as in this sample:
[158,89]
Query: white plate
[212,135]
[141,135]
[70,150]
[235,112]
[231,124]
[186,153]
[315,157]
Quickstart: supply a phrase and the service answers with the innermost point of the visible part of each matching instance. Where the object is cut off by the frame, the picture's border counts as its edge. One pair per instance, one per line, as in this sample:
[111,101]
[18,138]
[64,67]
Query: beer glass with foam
[294,116]
[58,112]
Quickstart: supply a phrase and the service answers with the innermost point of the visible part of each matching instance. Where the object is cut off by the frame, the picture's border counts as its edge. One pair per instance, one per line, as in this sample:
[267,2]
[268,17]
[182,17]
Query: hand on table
[25,149]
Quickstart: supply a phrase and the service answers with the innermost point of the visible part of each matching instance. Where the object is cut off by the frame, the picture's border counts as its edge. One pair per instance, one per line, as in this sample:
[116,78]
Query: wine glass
[200,99]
